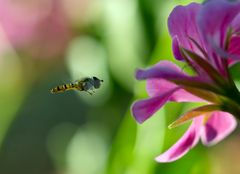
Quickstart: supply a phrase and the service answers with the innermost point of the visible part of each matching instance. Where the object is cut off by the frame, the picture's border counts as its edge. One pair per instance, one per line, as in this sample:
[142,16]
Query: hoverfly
[87,84]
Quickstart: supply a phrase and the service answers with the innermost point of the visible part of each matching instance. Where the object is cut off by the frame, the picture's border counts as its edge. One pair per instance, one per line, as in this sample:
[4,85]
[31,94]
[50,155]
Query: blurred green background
[44,43]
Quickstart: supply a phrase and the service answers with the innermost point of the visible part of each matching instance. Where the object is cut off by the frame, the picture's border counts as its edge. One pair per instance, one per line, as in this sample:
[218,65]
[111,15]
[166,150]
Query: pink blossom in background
[38,27]
[205,36]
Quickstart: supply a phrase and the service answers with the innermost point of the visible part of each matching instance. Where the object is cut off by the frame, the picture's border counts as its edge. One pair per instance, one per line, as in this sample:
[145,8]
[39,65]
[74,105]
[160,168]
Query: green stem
[231,103]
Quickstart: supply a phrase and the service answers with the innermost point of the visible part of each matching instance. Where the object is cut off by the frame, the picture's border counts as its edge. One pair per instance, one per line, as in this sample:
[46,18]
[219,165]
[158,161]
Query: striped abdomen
[62,88]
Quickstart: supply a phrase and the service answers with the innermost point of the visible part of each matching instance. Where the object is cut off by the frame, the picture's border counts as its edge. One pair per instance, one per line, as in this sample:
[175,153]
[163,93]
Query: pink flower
[38,27]
[207,37]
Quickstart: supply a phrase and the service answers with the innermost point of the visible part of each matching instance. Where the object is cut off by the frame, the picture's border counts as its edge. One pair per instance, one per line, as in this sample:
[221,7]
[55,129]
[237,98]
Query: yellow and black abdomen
[62,88]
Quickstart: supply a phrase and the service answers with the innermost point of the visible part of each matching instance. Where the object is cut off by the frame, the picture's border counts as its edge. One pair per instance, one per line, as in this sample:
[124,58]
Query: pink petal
[214,19]
[143,109]
[176,49]
[184,144]
[157,87]
[236,23]
[39,27]
[182,25]
[234,49]
[169,71]
[218,126]
[164,69]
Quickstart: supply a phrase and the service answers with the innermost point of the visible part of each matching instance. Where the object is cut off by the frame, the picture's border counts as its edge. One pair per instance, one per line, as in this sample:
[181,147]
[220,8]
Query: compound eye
[95,78]
[97,83]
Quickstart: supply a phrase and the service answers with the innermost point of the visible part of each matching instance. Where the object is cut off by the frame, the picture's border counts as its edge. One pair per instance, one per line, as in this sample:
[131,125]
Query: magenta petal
[176,49]
[157,87]
[184,144]
[214,19]
[236,23]
[218,126]
[164,69]
[232,53]
[143,109]
[169,71]
[182,25]
[234,49]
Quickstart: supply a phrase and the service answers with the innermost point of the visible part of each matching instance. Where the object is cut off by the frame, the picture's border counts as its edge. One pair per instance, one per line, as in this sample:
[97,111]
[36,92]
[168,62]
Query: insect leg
[89,92]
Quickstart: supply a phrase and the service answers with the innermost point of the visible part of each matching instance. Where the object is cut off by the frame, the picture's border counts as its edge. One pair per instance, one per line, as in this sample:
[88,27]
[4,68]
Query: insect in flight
[87,84]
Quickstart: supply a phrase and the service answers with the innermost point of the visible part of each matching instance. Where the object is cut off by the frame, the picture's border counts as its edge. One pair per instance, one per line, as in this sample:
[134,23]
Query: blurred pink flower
[38,27]
[206,37]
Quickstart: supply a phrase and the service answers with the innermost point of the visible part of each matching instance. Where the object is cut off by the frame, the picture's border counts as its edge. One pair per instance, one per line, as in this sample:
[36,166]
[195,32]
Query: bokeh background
[44,43]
